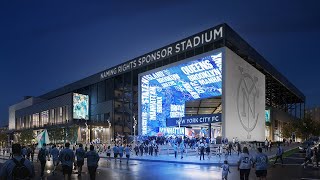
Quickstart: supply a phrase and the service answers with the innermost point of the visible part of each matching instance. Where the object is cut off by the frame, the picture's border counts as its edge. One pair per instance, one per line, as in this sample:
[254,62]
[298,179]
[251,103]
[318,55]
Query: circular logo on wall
[247,96]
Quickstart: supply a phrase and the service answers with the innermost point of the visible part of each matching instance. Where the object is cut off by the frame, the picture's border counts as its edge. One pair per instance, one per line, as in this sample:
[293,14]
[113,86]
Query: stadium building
[210,84]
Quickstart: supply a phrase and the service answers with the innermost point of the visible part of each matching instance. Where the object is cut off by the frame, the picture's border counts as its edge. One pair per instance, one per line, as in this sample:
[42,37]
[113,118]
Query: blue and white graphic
[42,138]
[267,114]
[197,119]
[80,106]
[168,131]
[164,92]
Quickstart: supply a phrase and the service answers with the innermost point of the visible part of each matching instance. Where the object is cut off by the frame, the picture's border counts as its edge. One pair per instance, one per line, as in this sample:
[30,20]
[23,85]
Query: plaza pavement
[191,156]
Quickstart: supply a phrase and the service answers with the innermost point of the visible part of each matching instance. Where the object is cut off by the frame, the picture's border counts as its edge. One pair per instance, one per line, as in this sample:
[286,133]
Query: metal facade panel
[47,105]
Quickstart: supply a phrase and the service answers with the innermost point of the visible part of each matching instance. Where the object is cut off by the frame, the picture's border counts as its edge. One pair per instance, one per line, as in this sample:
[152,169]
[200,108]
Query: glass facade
[45,118]
[35,120]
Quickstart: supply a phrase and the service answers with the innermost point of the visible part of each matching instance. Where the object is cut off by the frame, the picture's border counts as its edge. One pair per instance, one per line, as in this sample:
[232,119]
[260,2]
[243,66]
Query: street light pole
[87,134]
[109,132]
[134,131]
[179,122]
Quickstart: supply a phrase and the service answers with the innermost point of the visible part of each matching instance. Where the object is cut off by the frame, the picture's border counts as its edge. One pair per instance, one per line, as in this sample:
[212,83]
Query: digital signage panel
[80,106]
[163,93]
[267,115]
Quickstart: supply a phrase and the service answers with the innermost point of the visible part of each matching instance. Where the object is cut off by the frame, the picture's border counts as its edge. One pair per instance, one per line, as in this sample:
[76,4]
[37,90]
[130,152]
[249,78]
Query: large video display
[80,106]
[164,92]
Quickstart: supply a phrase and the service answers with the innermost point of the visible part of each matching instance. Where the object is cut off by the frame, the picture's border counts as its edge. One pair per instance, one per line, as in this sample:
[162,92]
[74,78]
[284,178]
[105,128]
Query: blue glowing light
[164,92]
[80,106]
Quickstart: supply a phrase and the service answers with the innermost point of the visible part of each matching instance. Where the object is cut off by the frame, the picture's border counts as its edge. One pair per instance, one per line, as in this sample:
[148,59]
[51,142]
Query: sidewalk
[194,158]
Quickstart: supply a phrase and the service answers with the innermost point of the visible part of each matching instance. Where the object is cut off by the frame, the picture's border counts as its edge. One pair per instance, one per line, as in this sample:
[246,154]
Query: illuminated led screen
[80,106]
[164,92]
[267,115]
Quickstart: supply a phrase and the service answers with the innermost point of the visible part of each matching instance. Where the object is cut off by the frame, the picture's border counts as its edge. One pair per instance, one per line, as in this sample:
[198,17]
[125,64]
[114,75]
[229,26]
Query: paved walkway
[192,156]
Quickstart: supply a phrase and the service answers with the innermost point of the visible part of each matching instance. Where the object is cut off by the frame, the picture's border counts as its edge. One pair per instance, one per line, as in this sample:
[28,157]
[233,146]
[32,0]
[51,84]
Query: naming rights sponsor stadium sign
[197,40]
[198,119]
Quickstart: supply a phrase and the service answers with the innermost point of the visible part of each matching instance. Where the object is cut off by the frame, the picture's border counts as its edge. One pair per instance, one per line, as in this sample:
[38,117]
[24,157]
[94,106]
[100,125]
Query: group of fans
[20,166]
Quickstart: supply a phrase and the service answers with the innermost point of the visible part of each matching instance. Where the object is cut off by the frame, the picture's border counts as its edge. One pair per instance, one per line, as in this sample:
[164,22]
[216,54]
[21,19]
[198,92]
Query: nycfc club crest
[247,97]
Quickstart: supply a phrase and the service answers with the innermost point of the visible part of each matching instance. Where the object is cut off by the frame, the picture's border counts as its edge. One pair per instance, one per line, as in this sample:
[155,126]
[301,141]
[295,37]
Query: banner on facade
[198,119]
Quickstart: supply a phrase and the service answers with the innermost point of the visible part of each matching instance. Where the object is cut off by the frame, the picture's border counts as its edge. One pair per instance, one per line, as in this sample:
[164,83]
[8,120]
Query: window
[35,120]
[67,112]
[60,111]
[45,117]
[52,116]
[60,114]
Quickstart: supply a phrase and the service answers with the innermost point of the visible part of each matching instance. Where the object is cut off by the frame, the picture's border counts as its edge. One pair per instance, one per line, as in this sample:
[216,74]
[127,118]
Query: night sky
[45,45]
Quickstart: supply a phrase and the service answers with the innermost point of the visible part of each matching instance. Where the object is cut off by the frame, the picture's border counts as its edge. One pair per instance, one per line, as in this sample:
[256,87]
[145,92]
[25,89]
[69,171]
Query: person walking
[219,152]
[24,151]
[229,149]
[156,149]
[314,157]
[279,155]
[266,145]
[136,150]
[92,162]
[239,148]
[80,154]
[115,152]
[127,151]
[32,152]
[141,149]
[225,170]
[10,152]
[55,157]
[108,151]
[42,157]
[66,157]
[208,151]
[201,148]
[17,167]
[261,163]
[318,157]
[244,164]
[182,149]
[28,152]
[270,145]
[121,149]
[175,149]
[308,157]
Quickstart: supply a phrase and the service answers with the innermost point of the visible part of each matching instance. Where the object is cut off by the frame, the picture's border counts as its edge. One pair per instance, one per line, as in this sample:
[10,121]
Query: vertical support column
[210,131]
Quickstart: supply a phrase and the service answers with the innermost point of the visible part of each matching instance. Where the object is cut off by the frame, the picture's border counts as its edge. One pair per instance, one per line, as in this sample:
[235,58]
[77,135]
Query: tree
[72,134]
[3,138]
[307,127]
[26,137]
[287,130]
[56,134]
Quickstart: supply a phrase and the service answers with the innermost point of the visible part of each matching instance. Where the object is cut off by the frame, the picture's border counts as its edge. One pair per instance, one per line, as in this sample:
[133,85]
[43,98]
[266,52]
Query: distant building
[314,113]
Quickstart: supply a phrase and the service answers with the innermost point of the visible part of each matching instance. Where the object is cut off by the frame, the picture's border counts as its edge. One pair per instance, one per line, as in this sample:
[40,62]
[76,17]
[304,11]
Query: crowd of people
[20,165]
[72,157]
